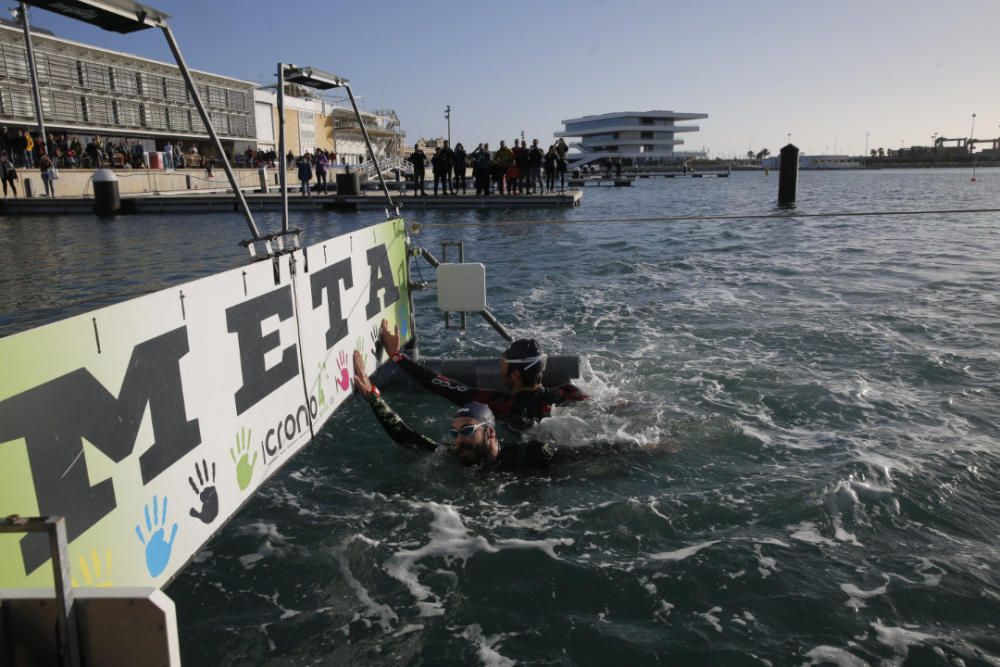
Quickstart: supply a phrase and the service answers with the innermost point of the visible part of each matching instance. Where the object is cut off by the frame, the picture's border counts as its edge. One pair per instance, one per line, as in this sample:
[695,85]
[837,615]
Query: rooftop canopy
[310,77]
[122,16]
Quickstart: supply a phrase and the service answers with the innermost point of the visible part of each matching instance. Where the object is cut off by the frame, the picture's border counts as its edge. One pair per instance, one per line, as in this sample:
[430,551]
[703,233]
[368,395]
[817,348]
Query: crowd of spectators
[516,170]
[26,149]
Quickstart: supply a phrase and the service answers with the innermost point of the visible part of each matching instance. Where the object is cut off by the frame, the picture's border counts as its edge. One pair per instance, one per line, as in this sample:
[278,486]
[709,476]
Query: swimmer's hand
[361,381]
[390,341]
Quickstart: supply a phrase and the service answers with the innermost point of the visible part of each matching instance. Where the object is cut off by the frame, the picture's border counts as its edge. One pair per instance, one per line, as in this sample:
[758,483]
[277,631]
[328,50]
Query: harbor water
[811,404]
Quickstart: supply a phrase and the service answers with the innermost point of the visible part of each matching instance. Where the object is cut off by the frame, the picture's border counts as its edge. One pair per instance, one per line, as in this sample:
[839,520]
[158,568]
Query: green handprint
[244,467]
[319,382]
[360,346]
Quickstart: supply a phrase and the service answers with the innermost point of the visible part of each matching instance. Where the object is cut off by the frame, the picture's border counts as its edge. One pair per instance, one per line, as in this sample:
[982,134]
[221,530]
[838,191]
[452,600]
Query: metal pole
[282,176]
[368,142]
[211,130]
[34,76]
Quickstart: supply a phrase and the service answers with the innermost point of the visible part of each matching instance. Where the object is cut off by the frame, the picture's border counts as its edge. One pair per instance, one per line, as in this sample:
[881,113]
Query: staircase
[387,165]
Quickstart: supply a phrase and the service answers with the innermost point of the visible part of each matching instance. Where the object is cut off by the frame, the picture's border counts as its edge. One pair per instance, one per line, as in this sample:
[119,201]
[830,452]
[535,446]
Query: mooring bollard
[28,189]
[262,176]
[107,200]
[788,176]
[188,180]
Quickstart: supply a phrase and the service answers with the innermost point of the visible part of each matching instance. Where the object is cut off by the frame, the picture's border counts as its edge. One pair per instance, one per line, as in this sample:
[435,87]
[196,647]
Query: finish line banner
[147,424]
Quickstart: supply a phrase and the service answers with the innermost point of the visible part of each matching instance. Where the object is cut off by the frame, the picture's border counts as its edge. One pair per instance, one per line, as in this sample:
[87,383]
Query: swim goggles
[527,362]
[468,430]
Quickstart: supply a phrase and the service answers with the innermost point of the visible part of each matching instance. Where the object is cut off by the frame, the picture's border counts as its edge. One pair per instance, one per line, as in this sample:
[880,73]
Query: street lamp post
[447,117]
[866,144]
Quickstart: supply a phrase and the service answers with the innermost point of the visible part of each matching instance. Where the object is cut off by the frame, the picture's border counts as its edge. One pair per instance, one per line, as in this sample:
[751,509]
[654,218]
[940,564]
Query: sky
[831,76]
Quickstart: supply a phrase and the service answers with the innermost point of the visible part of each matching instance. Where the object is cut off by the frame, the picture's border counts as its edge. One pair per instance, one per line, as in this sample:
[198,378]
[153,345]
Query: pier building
[88,90]
[644,137]
[313,121]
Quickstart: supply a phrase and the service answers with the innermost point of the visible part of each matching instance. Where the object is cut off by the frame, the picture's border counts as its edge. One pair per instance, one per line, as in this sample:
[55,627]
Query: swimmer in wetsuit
[473,432]
[521,367]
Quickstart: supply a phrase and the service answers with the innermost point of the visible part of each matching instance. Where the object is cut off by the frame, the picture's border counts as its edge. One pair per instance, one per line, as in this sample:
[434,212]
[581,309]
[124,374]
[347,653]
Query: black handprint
[377,343]
[205,490]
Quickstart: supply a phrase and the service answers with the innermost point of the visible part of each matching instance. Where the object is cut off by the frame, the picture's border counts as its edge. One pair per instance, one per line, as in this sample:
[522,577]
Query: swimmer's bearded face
[472,449]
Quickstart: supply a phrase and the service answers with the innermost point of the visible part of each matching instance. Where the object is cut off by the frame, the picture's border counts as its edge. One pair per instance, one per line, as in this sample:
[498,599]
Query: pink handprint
[344,381]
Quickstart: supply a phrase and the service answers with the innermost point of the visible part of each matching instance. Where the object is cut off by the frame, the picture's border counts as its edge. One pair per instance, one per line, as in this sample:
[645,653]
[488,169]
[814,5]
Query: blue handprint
[157,549]
[401,317]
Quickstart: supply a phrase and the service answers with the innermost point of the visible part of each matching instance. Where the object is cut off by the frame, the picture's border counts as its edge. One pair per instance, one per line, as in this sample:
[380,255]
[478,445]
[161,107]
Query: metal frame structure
[311,77]
[66,630]
[125,16]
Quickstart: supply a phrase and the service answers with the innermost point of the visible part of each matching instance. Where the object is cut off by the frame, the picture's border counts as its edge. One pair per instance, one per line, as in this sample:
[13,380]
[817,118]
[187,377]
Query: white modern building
[642,136]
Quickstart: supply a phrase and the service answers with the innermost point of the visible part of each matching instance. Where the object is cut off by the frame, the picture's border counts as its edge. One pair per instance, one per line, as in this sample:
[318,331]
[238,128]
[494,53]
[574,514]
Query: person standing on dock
[305,175]
[419,162]
[458,164]
[551,157]
[447,162]
[8,173]
[437,169]
[48,175]
[322,162]
[502,161]
[482,163]
[535,156]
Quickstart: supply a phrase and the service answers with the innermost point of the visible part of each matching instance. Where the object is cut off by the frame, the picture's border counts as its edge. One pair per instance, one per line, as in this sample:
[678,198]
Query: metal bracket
[461,259]
[273,245]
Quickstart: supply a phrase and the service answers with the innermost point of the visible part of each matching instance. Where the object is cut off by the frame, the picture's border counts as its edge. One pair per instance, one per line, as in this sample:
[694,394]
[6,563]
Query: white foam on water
[822,655]
[899,639]
[384,613]
[765,564]
[807,532]
[857,596]
[451,541]
[248,560]
[408,628]
[774,542]
[485,650]
[663,612]
[681,554]
[711,618]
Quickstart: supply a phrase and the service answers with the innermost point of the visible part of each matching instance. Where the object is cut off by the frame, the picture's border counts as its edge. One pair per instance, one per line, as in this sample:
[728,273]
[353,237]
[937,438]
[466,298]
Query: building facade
[313,122]
[88,91]
[644,137]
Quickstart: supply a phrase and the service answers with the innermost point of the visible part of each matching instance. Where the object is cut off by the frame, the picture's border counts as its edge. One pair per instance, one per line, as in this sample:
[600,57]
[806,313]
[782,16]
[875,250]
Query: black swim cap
[525,353]
[478,411]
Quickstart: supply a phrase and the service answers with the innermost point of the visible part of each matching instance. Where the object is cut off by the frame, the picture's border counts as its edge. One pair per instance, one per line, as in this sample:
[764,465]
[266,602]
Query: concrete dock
[223,200]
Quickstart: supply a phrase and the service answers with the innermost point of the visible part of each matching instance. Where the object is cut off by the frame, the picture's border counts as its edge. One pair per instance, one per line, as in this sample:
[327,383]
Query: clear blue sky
[826,72]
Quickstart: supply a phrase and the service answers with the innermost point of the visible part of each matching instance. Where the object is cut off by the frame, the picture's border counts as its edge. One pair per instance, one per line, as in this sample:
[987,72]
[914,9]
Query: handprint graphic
[244,466]
[360,346]
[376,343]
[402,319]
[344,380]
[94,573]
[319,383]
[205,490]
[157,548]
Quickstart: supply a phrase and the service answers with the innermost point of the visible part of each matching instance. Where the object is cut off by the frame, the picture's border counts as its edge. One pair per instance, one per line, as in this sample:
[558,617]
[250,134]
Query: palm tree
[763,153]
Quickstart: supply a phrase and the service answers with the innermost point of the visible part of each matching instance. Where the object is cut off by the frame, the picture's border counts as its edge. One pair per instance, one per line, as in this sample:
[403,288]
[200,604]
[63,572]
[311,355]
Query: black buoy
[788,176]
[107,200]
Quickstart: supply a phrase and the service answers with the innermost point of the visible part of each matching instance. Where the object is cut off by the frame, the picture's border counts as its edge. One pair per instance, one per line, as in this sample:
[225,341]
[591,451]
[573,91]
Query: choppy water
[832,384]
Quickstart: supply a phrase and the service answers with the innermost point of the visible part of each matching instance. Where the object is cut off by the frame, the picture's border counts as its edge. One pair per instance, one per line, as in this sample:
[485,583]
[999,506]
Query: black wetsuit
[526,454]
[518,411]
